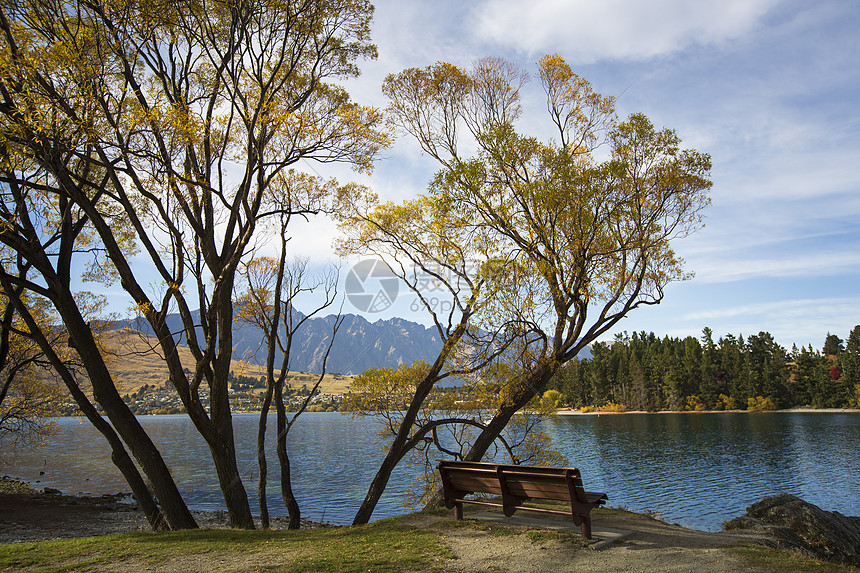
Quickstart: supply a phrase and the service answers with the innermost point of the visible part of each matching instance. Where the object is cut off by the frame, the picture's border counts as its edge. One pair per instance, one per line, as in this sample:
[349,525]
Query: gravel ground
[27,514]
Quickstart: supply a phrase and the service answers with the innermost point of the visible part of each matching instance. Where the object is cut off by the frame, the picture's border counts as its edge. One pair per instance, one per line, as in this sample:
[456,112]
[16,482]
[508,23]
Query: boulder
[800,525]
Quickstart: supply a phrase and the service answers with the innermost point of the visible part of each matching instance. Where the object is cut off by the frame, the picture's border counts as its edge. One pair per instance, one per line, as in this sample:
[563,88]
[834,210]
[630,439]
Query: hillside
[138,362]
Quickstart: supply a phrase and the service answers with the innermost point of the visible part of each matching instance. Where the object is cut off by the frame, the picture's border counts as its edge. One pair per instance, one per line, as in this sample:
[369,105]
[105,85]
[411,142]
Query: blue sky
[771,89]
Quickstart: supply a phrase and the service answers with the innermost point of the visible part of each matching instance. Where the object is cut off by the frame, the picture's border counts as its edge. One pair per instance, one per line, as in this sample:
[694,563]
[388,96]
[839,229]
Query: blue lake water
[694,469]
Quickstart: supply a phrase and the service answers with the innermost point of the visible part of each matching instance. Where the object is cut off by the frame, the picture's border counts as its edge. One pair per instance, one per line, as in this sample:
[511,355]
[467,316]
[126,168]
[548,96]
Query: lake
[697,470]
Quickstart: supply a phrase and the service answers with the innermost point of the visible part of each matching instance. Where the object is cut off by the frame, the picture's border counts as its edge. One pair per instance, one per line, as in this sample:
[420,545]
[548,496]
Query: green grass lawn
[382,546]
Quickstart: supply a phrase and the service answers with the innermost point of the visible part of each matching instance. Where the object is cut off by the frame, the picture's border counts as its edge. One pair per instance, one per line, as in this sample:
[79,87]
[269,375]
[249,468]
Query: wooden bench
[516,484]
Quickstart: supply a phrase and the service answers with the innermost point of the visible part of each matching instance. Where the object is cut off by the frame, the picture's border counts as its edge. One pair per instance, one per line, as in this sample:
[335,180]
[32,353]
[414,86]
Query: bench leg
[458,511]
[585,528]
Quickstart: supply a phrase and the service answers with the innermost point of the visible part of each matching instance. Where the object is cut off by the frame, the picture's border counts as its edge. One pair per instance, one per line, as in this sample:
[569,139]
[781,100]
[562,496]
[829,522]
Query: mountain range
[359,344]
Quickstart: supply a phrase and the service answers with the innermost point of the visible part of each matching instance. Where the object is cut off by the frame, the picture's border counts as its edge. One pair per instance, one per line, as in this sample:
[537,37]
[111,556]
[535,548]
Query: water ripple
[694,469]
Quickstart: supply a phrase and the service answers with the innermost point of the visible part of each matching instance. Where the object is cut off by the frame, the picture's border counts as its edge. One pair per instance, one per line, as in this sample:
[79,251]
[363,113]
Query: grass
[386,545]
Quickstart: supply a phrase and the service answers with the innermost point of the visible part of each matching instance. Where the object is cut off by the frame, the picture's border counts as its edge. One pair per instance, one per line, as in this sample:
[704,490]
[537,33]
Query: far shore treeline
[645,372]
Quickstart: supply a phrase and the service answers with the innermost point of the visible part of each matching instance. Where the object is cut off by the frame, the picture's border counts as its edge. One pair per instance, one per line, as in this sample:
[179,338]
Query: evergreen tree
[709,386]
[850,361]
[833,345]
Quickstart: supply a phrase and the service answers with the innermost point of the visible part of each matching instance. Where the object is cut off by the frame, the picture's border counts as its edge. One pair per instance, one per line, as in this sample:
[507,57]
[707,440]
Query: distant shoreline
[569,412]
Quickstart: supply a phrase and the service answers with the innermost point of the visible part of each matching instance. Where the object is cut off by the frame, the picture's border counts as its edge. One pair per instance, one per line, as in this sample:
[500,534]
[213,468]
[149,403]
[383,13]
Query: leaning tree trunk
[379,483]
[399,448]
[122,461]
[119,455]
[535,382]
[125,423]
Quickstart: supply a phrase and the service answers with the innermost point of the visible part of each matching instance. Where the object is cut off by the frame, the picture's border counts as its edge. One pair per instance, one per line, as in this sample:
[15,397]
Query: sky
[769,88]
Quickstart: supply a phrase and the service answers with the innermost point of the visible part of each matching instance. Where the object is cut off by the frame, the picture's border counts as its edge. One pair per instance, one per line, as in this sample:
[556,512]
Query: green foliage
[648,373]
[832,345]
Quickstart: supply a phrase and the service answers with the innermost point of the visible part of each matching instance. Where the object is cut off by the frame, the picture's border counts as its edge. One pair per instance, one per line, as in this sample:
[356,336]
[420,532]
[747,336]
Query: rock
[800,525]
[52,491]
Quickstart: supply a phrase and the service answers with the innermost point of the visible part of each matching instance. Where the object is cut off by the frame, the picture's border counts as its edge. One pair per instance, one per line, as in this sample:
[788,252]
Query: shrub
[760,404]
[695,404]
[613,407]
[725,403]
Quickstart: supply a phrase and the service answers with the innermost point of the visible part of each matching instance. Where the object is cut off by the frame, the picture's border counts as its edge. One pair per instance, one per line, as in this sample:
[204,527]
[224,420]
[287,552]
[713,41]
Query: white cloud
[789,309]
[589,31]
[835,263]
[791,321]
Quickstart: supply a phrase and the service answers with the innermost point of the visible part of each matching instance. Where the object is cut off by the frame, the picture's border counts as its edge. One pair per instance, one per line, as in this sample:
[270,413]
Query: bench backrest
[521,481]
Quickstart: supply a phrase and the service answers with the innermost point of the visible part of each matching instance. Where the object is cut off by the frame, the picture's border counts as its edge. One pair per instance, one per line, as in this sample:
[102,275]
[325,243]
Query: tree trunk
[119,455]
[397,449]
[533,385]
[290,502]
[378,485]
[123,462]
[235,496]
[223,447]
[535,382]
[125,423]
[261,459]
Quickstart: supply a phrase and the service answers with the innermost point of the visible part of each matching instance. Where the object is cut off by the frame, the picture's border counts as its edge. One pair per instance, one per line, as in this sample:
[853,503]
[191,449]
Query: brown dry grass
[137,360]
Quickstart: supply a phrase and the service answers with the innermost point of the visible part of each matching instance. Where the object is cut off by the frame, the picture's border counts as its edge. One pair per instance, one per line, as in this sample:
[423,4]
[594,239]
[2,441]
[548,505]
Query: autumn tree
[45,239]
[447,421]
[582,238]
[167,123]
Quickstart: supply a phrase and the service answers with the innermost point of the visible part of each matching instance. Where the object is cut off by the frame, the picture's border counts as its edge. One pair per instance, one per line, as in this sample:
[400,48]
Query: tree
[271,287]
[180,118]
[43,238]
[446,269]
[448,419]
[574,243]
[709,387]
[851,367]
[833,345]
[585,235]
[766,368]
[35,327]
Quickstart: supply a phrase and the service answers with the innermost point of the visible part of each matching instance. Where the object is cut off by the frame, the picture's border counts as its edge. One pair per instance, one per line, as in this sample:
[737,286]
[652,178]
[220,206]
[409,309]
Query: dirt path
[650,545]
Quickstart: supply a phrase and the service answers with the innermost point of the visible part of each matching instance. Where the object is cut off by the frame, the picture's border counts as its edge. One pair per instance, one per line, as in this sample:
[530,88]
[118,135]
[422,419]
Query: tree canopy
[170,127]
[551,242]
